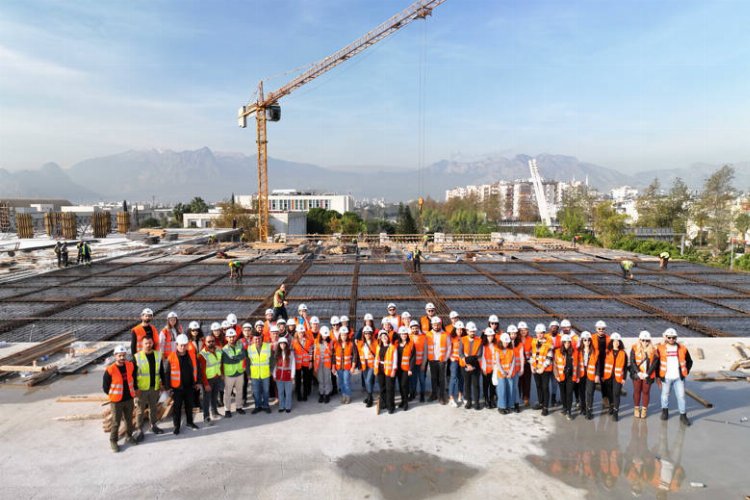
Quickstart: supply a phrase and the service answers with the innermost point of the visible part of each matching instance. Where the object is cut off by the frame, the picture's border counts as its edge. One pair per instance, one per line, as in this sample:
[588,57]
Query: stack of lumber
[25,360]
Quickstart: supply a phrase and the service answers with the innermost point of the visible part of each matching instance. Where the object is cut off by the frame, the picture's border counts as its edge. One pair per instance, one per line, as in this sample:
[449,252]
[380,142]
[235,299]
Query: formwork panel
[631,327]
[319,292]
[742,304]
[83,330]
[516,308]
[404,279]
[448,268]
[699,290]
[64,294]
[472,290]
[560,291]
[104,310]
[269,269]
[379,308]
[234,292]
[388,291]
[381,268]
[463,279]
[507,267]
[689,307]
[569,307]
[307,280]
[189,310]
[736,326]
[148,293]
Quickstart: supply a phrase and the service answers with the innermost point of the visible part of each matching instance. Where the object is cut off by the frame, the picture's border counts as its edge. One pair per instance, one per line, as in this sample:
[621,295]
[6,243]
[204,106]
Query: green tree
[349,223]
[466,221]
[319,220]
[542,231]
[150,222]
[377,226]
[197,206]
[574,215]
[608,224]
[433,220]
[742,224]
[245,219]
[405,223]
[676,206]
[178,210]
[716,196]
[647,205]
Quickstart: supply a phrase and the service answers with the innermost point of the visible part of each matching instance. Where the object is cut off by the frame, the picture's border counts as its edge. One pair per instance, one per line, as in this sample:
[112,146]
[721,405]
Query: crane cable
[421,112]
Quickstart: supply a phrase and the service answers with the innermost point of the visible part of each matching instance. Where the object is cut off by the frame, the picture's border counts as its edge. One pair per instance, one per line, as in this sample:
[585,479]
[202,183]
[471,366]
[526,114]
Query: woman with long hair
[615,372]
[322,364]
[488,364]
[504,368]
[386,367]
[456,381]
[283,374]
[516,341]
[169,334]
[643,365]
[406,362]
[566,373]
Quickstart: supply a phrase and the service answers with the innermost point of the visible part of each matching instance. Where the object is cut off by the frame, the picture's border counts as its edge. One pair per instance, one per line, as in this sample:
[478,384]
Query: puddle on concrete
[589,455]
[410,475]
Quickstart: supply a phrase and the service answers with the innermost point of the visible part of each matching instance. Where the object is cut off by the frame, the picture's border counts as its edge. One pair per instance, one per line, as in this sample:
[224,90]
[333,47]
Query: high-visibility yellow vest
[260,362]
[233,369]
[213,363]
[143,382]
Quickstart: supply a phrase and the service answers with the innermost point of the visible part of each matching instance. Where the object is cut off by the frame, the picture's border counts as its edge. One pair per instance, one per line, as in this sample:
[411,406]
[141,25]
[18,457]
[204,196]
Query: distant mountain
[50,181]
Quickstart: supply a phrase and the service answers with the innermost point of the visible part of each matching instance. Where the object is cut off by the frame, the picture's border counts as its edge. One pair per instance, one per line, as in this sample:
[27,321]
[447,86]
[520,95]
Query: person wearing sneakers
[470,353]
[487,362]
[233,364]
[366,348]
[643,365]
[406,362]
[567,329]
[149,380]
[524,380]
[302,345]
[455,367]
[566,373]
[344,363]
[541,364]
[182,367]
[503,371]
[322,364]
[260,361]
[386,367]
[615,372]
[553,331]
[674,366]
[438,354]
[519,357]
[600,341]
[283,373]
[118,384]
[210,363]
[419,375]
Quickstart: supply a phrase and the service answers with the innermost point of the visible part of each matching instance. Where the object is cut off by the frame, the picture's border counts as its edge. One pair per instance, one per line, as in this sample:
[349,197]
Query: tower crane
[266,107]
[541,200]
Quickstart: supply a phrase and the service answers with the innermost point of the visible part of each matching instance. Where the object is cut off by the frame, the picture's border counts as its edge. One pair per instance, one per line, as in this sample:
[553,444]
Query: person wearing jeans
[541,365]
[233,361]
[674,365]
[344,352]
[366,348]
[283,374]
[419,375]
[518,355]
[502,373]
[260,361]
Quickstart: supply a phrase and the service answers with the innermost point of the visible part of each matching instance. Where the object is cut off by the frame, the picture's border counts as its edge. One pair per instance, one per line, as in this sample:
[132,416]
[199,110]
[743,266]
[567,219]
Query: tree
[676,206]
[319,219]
[608,224]
[433,220]
[349,223]
[178,210]
[245,218]
[150,222]
[377,226]
[717,194]
[542,231]
[575,211]
[648,205]
[197,206]
[405,223]
[742,224]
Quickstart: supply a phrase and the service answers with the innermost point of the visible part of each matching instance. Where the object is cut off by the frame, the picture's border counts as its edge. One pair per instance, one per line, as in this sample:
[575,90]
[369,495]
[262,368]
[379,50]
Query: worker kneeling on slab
[119,385]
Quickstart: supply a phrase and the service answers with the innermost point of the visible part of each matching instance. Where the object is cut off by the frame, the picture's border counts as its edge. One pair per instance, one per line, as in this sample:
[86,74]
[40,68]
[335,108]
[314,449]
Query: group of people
[62,254]
[469,367]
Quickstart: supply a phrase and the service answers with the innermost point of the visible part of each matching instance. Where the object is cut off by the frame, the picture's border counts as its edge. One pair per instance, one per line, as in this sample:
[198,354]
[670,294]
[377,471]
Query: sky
[630,85]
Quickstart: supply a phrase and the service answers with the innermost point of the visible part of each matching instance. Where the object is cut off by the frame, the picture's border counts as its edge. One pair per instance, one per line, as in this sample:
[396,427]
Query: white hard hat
[406,314]
[225,324]
[600,324]
[435,320]
[670,332]
[269,311]
[344,318]
[120,350]
[512,329]
[459,324]
[231,333]
[182,339]
[403,330]
[291,321]
[565,338]
[302,307]
[274,329]
[615,336]
[343,330]
[259,322]
[232,318]
[314,320]
[147,311]
[368,317]
[554,322]
[283,340]
[540,328]
[489,331]
[385,321]
[471,326]
[493,319]
[383,332]
[391,305]
[644,335]
[194,325]
[414,322]
[325,332]
[585,335]
[429,306]
[453,314]
[367,329]
[335,320]
[522,325]
[171,314]
[248,325]
[504,337]
[214,325]
[281,321]
[565,324]
[300,328]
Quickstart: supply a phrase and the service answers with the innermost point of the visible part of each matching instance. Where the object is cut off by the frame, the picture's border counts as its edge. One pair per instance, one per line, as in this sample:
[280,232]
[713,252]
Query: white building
[283,200]
[624,193]
[512,195]
[283,222]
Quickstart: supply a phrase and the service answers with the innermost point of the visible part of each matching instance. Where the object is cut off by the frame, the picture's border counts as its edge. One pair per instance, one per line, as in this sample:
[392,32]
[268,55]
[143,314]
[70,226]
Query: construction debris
[31,354]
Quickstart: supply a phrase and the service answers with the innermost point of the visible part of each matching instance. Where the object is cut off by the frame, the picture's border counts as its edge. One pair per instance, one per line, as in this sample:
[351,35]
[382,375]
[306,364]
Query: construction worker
[393,317]
[494,322]
[322,364]
[366,348]
[344,363]
[567,329]
[674,365]
[471,348]
[267,325]
[627,266]
[386,367]
[454,318]
[210,365]
[344,319]
[79,251]
[168,334]
[291,329]
[280,303]
[643,365]
[519,357]
[119,385]
[416,259]
[64,253]
[599,342]
[233,365]
[438,354]
[149,378]
[504,367]
[235,269]
[232,320]
[314,327]
[566,373]
[367,320]
[246,339]
[405,320]
[58,252]
[182,367]
[302,346]
[553,331]
[664,260]
[387,326]
[283,373]
[588,359]
[615,372]
[261,366]
[144,329]
[524,380]
[303,317]
[406,359]
[487,363]
[419,376]
[195,335]
[456,379]
[426,321]
[85,253]
[541,364]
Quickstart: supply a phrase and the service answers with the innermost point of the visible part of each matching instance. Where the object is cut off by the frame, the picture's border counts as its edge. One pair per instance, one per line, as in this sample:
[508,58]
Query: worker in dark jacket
[182,367]
[407,356]
[119,385]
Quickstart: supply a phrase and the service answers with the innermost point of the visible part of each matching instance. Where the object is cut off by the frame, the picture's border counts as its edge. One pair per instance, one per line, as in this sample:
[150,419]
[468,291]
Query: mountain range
[171,176]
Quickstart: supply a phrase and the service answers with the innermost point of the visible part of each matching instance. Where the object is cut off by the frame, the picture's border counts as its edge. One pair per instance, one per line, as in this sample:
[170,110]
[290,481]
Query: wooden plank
[20,368]
[82,416]
[83,361]
[40,377]
[696,397]
[83,398]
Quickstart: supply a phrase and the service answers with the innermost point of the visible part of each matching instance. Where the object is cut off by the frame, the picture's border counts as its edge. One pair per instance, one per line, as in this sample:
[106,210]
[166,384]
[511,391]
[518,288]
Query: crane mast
[266,107]
[541,200]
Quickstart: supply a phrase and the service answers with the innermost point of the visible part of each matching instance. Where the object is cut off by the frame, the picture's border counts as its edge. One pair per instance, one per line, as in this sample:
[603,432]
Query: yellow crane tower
[266,108]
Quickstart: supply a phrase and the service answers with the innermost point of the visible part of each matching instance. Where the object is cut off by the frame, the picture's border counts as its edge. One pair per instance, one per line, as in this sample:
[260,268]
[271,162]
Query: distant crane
[541,200]
[267,108]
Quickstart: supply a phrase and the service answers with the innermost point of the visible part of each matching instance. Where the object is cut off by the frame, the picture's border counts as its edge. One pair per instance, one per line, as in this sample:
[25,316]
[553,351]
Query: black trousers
[180,398]
[303,383]
[403,385]
[417,263]
[280,311]
[387,391]
[613,390]
[437,376]
[587,393]
[488,388]
[245,384]
[566,394]
[542,388]
[524,382]
[471,386]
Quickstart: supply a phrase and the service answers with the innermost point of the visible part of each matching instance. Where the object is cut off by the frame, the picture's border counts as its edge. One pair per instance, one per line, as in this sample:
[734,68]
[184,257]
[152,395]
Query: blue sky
[630,85]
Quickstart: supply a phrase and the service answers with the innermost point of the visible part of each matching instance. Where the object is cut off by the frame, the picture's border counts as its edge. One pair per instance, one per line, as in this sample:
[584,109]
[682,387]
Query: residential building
[283,200]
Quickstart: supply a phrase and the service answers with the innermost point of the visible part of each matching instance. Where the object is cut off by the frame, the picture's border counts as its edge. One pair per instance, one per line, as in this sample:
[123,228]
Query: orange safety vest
[418,341]
[426,323]
[326,355]
[443,354]
[559,364]
[117,387]
[471,347]
[344,355]
[595,341]
[168,340]
[615,364]
[141,332]
[454,348]
[174,369]
[488,358]
[367,352]
[390,362]
[506,359]
[587,370]
[302,354]
[539,355]
[406,356]
[526,342]
[518,352]
[644,362]
[681,355]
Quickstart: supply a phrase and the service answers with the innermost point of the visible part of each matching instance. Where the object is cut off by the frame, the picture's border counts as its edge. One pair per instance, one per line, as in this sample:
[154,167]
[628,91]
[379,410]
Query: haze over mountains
[172,176]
